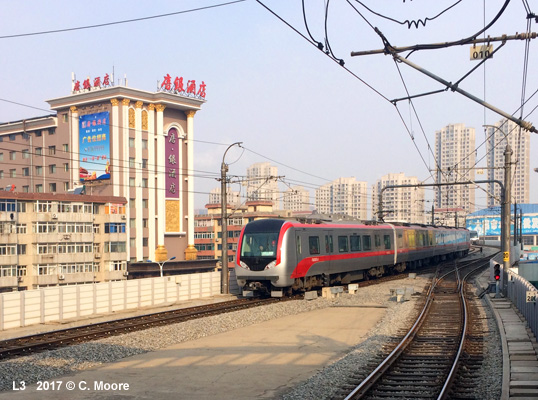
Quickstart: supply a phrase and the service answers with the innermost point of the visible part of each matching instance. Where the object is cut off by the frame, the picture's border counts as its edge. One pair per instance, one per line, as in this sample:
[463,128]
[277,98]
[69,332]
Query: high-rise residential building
[232,197]
[345,196]
[262,183]
[296,198]
[455,155]
[508,132]
[399,204]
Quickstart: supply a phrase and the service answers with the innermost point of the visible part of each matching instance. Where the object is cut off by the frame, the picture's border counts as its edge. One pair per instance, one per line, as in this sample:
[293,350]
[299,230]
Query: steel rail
[374,376]
[450,376]
[64,337]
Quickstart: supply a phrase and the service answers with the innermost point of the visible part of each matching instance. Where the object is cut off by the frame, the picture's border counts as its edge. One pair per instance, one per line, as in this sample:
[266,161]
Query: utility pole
[505,231]
[224,289]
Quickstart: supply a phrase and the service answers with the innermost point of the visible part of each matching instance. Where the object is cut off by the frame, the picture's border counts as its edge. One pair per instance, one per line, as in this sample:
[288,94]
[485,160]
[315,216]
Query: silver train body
[278,256]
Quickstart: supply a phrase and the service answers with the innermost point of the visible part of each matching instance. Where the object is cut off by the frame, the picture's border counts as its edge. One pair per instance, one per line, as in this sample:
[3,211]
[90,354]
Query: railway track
[59,338]
[436,358]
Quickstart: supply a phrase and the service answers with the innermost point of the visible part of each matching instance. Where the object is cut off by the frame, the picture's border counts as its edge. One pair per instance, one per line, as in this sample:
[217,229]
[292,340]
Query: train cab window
[377,239]
[355,243]
[329,244]
[343,244]
[386,239]
[313,244]
[367,243]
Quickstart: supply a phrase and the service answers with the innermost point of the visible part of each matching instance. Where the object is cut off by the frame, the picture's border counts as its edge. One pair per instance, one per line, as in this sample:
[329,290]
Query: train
[277,257]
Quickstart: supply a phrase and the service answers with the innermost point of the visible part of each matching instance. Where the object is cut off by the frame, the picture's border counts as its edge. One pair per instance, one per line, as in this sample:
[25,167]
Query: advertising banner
[491,226]
[94,146]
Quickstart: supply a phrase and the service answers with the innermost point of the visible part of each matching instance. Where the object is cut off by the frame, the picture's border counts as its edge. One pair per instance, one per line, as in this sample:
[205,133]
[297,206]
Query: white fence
[517,290]
[59,303]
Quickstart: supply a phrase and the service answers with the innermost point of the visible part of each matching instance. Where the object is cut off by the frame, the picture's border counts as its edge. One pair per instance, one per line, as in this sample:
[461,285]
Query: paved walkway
[520,350]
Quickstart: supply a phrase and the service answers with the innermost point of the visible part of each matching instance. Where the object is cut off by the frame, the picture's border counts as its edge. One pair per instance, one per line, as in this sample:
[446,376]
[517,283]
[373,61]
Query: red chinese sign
[178,87]
[98,83]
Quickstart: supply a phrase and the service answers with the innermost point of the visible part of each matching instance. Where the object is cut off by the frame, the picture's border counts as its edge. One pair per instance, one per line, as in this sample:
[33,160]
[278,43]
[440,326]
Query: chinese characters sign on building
[88,85]
[94,147]
[178,86]
[171,163]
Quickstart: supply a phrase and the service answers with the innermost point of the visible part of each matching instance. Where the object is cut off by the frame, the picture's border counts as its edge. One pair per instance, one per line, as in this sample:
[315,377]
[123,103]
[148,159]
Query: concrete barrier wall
[61,303]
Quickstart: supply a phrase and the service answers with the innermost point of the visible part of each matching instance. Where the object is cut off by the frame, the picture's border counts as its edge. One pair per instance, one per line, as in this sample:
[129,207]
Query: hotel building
[115,141]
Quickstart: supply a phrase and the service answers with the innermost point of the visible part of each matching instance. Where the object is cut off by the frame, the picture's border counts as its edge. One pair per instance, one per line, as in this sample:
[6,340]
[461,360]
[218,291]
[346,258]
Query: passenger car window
[355,243]
[343,244]
[366,243]
[313,244]
[387,241]
[377,240]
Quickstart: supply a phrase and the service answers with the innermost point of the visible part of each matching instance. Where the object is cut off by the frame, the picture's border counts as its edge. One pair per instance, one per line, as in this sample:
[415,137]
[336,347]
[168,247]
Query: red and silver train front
[261,252]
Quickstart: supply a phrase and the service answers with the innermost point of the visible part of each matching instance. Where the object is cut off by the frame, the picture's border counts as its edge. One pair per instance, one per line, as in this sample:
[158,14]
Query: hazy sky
[271,89]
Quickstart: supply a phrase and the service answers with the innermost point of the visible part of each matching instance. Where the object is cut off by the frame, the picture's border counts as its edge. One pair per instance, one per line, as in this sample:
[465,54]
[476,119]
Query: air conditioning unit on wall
[61,277]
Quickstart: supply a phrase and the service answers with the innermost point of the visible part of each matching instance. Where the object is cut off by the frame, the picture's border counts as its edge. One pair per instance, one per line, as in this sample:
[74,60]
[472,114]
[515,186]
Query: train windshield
[260,238]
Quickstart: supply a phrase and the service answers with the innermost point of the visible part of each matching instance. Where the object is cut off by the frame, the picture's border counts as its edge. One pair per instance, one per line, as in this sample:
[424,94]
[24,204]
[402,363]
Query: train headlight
[243,265]
[272,264]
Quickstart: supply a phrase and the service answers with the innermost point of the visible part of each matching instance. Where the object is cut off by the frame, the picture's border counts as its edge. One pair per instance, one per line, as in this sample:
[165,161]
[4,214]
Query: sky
[273,90]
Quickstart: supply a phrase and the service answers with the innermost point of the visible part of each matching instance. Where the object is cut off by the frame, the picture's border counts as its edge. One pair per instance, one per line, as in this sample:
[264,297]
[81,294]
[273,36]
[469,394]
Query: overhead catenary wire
[126,21]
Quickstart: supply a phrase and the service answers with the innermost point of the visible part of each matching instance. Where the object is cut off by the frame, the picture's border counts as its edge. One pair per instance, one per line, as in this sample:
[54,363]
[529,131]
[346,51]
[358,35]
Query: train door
[329,247]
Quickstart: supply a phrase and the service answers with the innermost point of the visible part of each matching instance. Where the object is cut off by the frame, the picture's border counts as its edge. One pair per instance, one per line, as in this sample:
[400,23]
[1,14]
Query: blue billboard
[94,147]
[491,226]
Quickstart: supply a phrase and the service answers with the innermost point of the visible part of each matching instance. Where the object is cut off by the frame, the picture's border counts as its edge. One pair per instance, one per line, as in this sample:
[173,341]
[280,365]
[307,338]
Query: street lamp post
[161,263]
[224,222]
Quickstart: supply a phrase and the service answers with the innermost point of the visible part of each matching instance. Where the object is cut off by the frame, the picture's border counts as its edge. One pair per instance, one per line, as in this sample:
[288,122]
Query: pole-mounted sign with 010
[481,52]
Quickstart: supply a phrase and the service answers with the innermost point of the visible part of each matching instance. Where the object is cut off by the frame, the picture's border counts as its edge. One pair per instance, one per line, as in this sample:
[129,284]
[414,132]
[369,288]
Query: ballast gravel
[323,385]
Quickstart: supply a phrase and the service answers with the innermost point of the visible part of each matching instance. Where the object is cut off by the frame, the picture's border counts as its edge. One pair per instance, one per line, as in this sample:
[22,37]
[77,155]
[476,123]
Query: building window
[12,173]
[38,151]
[132,223]
[52,150]
[145,242]
[131,162]
[52,131]
[1,174]
[39,170]
[12,155]
[65,148]
[145,163]
[144,203]
[131,142]
[144,182]
[66,167]
[52,187]
[39,188]
[52,168]
[144,222]
[1,156]
[25,153]
[12,137]
[26,189]
[26,171]
[144,143]
[66,186]
[132,182]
